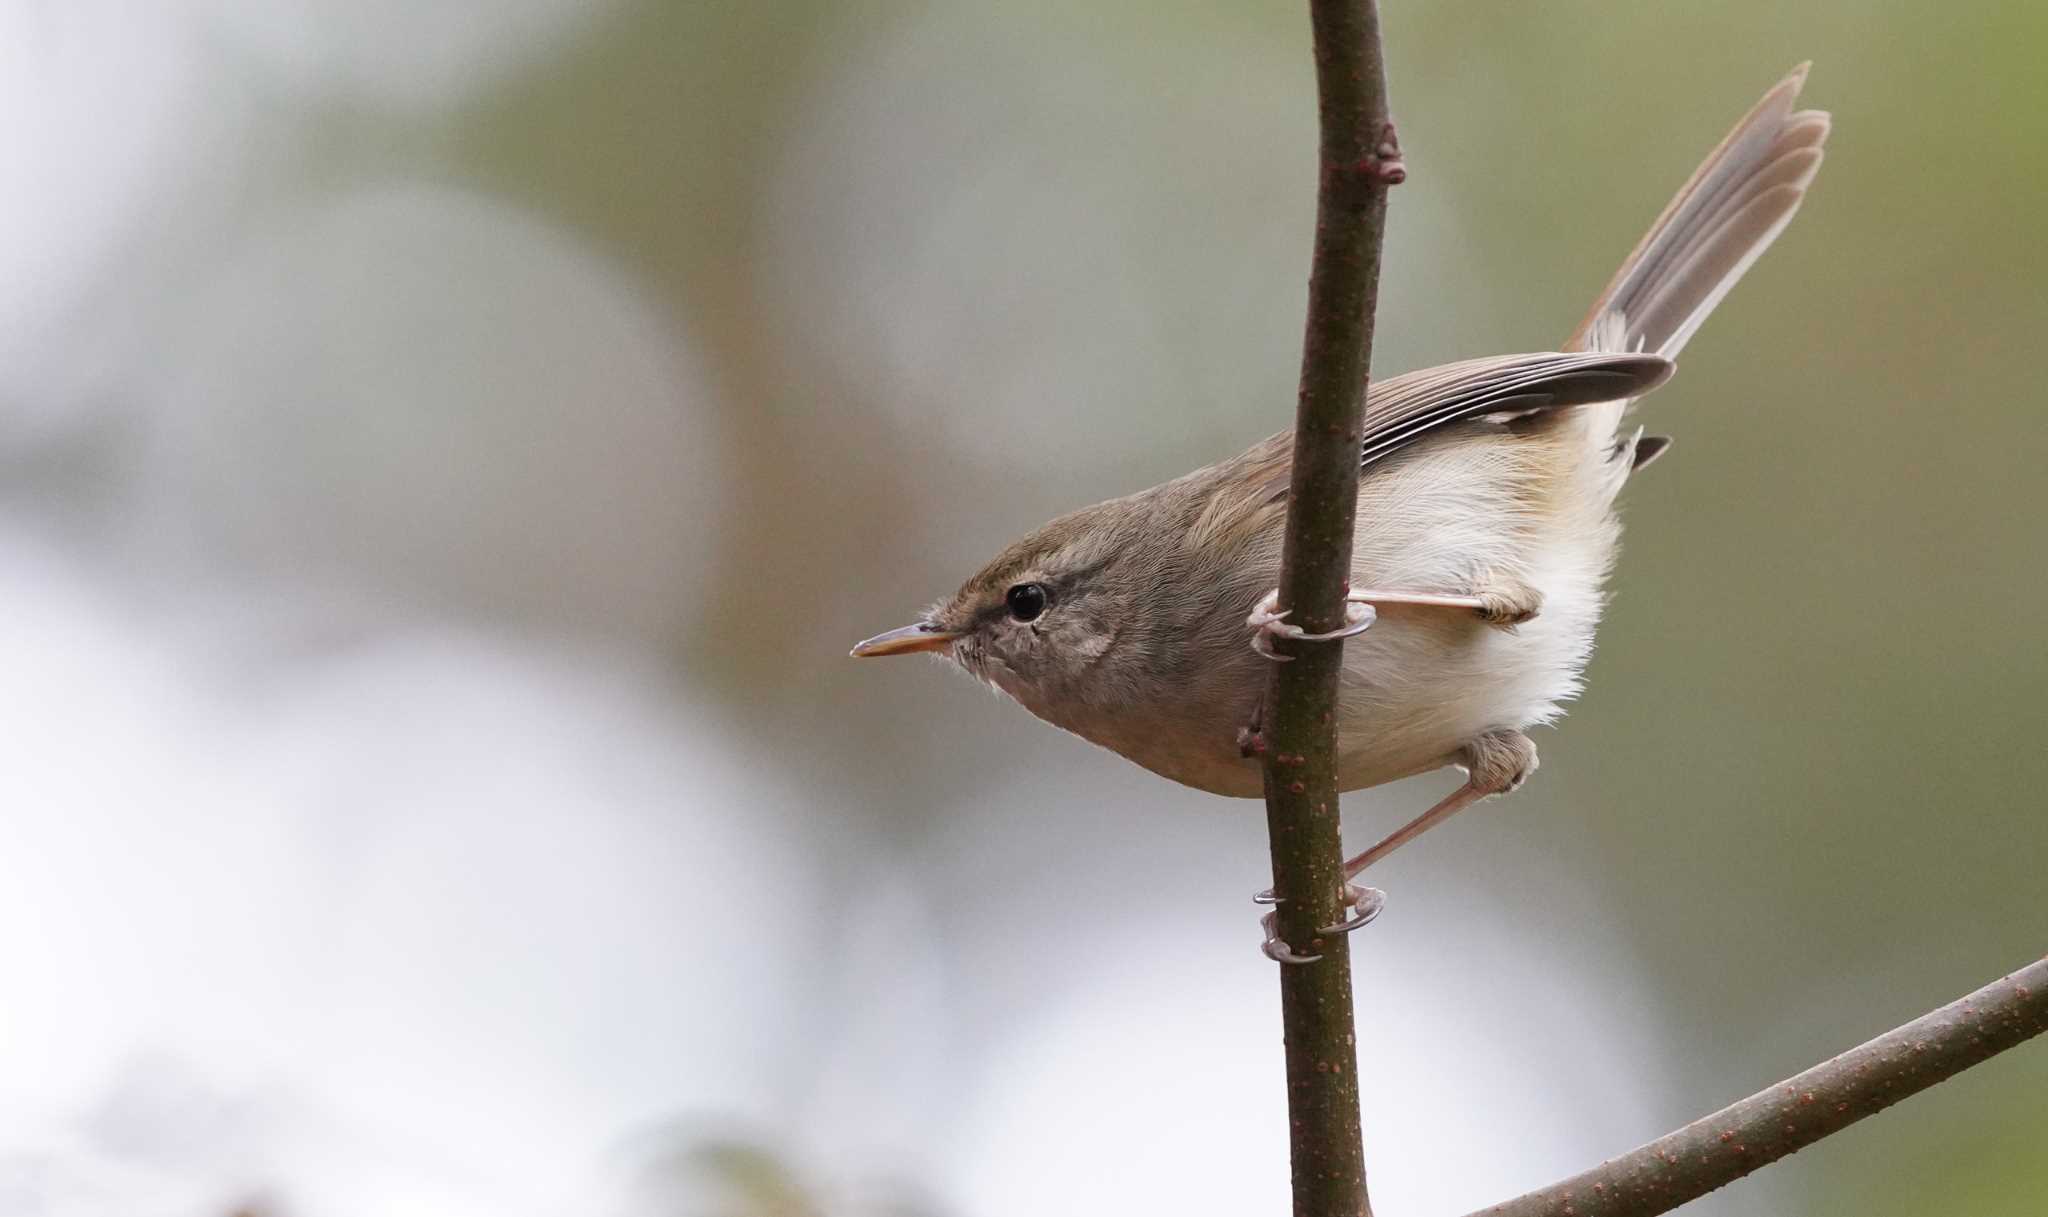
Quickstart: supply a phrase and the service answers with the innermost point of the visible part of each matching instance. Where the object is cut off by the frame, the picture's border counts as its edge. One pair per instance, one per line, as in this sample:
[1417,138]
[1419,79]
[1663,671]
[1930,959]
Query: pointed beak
[910,638]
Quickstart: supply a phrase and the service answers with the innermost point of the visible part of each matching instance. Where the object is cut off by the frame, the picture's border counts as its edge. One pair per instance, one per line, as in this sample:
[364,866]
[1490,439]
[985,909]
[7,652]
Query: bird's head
[1049,620]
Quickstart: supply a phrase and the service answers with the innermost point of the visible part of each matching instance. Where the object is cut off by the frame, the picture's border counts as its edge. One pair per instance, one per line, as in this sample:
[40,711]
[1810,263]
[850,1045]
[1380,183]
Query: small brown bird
[1486,529]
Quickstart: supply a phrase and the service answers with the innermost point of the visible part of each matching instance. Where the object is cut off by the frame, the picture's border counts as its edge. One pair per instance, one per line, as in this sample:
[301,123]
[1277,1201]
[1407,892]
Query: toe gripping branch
[1365,904]
[1268,622]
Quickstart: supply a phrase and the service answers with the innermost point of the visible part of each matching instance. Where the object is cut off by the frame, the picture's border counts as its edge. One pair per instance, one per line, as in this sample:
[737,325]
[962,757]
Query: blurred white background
[446,450]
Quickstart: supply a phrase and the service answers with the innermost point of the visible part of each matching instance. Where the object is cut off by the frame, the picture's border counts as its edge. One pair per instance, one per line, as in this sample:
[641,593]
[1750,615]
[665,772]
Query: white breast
[1476,506]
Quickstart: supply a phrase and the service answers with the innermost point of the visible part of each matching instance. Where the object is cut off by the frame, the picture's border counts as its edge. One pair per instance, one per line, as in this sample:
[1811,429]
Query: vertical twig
[1359,161]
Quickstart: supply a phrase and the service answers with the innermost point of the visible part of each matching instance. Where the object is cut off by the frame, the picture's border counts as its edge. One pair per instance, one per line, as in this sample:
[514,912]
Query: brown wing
[1408,407]
[1399,411]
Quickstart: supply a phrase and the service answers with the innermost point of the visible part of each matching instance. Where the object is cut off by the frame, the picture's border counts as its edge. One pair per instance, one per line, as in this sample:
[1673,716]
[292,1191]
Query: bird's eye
[1025,601]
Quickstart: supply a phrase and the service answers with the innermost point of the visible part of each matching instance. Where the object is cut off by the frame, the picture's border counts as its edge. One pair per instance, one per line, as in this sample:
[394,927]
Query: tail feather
[1647,449]
[1735,204]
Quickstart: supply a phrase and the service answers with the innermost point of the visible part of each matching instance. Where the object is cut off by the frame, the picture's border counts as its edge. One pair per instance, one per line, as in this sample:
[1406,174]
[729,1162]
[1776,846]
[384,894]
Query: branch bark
[1723,1147]
[1359,161]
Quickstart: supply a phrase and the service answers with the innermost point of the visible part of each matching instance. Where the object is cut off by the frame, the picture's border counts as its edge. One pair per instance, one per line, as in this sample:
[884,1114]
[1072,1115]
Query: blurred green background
[445,454]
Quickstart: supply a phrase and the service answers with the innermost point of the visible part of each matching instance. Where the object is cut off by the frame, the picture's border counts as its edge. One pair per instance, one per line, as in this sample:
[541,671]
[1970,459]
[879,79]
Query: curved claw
[1269,621]
[1358,617]
[1266,897]
[1275,948]
[1262,638]
[1266,621]
[1280,952]
[1365,904]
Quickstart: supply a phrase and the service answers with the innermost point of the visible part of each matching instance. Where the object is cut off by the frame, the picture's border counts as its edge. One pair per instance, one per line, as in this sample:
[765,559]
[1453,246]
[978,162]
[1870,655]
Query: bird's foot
[1268,622]
[1363,903]
[1275,947]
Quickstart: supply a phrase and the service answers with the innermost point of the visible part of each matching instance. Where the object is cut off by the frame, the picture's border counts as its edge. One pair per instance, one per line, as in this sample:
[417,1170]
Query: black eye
[1026,600]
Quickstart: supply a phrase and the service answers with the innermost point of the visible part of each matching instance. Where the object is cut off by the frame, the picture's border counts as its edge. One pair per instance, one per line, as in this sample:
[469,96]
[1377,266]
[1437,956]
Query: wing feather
[1407,408]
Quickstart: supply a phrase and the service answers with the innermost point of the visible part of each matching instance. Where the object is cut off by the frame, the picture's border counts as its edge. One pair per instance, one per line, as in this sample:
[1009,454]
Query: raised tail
[1723,218]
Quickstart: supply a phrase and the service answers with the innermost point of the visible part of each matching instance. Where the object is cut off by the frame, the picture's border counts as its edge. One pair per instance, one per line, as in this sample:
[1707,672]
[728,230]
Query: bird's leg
[1500,601]
[1495,763]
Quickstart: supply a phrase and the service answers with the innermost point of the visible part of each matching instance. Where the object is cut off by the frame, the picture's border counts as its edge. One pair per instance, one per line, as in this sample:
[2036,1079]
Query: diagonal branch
[1358,163]
[1798,1111]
